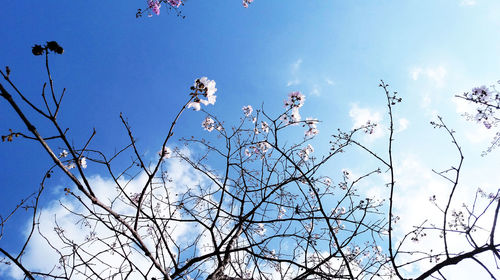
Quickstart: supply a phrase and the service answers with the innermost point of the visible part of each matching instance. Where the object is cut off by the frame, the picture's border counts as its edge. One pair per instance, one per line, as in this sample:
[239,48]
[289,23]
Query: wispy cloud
[315,91]
[468,3]
[329,81]
[435,74]
[294,69]
[402,124]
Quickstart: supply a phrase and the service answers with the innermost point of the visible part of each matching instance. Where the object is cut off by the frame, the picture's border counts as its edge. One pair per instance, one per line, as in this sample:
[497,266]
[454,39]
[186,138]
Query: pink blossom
[165,153]
[295,99]
[304,153]
[246,3]
[174,3]
[154,5]
[312,130]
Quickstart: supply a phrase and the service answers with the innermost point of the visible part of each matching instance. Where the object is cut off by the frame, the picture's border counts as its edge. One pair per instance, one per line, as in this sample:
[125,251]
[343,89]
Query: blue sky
[334,52]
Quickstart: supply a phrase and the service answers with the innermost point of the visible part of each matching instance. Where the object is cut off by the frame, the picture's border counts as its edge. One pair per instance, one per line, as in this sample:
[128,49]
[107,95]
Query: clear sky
[334,52]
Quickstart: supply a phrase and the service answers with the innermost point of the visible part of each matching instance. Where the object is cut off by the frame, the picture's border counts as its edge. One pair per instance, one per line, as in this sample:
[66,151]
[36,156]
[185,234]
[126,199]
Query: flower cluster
[293,103]
[174,3]
[312,130]
[203,87]
[304,153]
[246,3]
[154,5]
[247,110]
[264,126]
[260,230]
[488,100]
[208,124]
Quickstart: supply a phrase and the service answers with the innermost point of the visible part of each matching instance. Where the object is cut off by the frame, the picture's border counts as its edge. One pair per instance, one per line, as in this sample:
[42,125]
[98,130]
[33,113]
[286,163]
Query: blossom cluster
[488,100]
[203,87]
[260,148]
[155,5]
[209,124]
[246,3]
[293,103]
[312,130]
[305,152]
[71,163]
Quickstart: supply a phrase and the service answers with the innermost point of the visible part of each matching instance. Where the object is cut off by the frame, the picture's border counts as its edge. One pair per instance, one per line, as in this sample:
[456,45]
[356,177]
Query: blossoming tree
[264,208]
[154,6]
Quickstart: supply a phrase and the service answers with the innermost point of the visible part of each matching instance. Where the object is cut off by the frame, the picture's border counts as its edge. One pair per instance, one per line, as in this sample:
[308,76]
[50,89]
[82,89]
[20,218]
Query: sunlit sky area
[334,52]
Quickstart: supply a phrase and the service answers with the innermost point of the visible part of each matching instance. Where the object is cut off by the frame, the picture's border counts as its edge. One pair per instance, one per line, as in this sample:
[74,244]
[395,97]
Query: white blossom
[327,181]
[312,130]
[295,100]
[304,153]
[264,126]
[261,230]
[83,162]
[203,87]
[166,153]
[247,110]
[208,124]
[63,154]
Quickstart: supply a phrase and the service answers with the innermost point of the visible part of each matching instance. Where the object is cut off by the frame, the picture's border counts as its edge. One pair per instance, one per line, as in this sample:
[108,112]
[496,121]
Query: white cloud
[294,69]
[468,3]
[402,124]
[315,90]
[360,116]
[415,184]
[293,82]
[55,217]
[296,65]
[435,74]
[329,81]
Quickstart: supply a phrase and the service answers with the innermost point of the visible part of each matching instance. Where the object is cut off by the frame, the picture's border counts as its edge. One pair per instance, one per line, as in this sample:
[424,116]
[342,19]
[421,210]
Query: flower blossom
[482,94]
[264,126]
[63,154]
[295,99]
[261,230]
[165,153]
[246,3]
[247,110]
[247,153]
[174,3]
[295,116]
[83,162]
[304,153]
[281,212]
[208,124]
[327,181]
[488,99]
[203,87]
[294,102]
[263,147]
[154,5]
[312,130]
